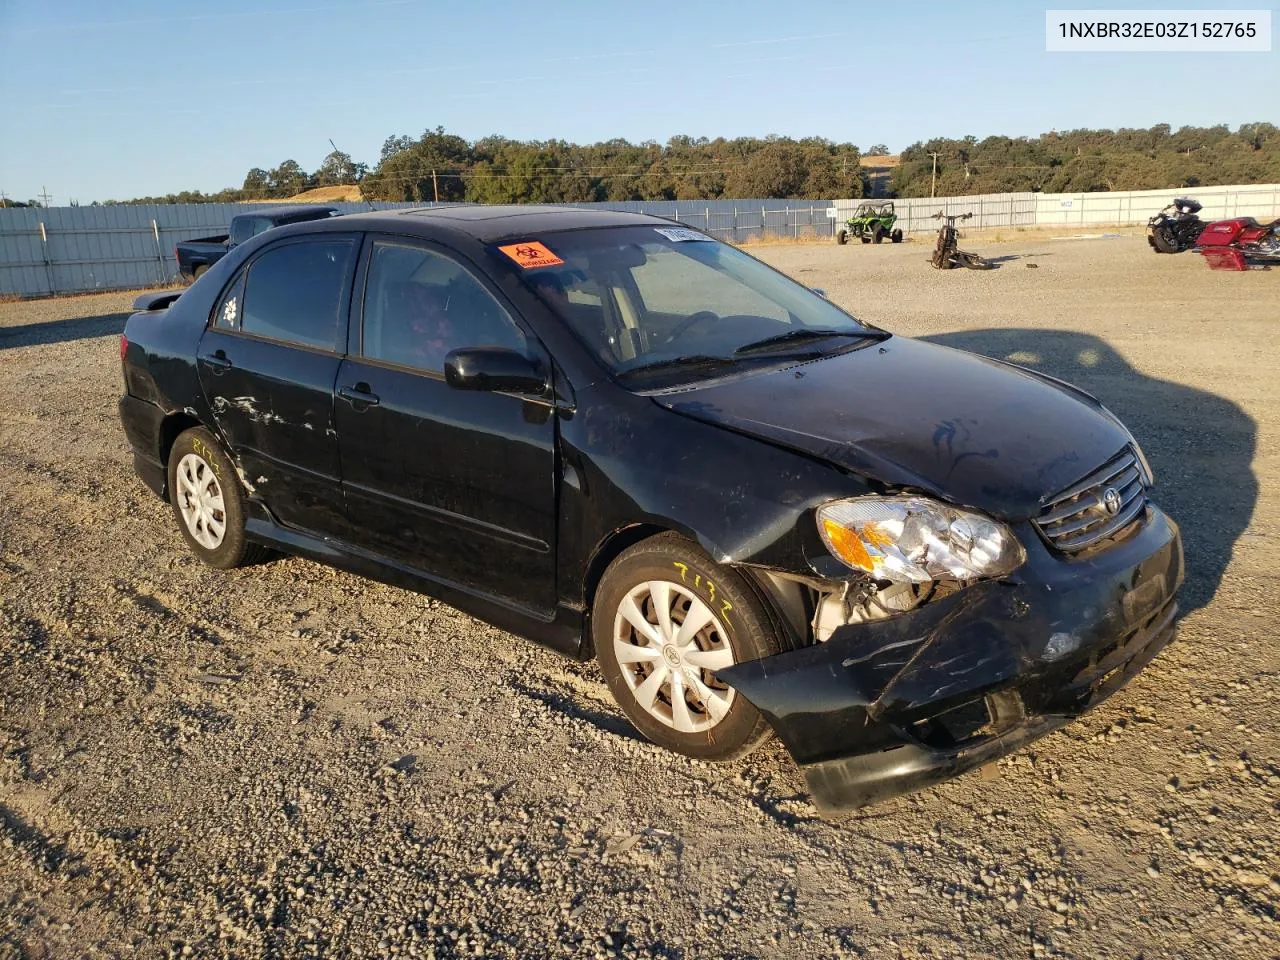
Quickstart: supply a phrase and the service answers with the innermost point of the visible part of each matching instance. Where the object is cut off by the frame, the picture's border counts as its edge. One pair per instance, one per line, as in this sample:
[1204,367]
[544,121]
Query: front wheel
[896,235]
[972,261]
[842,237]
[208,502]
[666,617]
[1163,240]
[877,235]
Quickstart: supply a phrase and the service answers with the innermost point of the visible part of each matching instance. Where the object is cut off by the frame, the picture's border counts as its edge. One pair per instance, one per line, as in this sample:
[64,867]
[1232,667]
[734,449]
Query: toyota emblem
[1111,501]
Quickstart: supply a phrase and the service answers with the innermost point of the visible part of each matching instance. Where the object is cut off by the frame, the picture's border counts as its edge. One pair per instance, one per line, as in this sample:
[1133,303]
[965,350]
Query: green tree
[338,168]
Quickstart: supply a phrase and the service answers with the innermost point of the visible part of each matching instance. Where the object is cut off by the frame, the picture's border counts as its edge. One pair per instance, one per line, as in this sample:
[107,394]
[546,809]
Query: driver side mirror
[493,369]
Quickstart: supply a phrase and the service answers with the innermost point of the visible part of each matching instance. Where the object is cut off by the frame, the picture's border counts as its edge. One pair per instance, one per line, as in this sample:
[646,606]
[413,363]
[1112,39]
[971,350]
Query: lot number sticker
[531,254]
[680,233]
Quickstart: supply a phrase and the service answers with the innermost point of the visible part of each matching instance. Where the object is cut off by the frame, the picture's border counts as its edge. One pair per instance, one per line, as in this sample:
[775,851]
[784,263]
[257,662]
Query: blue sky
[141,97]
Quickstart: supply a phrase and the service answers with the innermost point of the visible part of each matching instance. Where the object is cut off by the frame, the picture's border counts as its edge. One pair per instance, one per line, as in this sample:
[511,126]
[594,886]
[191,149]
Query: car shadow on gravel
[1200,445]
[62,331]
[605,722]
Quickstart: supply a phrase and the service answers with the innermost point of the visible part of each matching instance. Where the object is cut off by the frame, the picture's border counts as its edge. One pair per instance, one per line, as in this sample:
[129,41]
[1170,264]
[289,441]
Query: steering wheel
[692,320]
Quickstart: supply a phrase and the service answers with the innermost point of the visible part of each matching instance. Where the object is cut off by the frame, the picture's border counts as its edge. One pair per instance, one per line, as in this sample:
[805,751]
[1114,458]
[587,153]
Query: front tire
[973,261]
[878,235]
[665,618]
[1163,241]
[842,237]
[208,502]
[896,236]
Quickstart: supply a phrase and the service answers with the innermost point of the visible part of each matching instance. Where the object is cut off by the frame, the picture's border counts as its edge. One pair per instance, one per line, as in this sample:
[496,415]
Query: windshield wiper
[696,360]
[803,334]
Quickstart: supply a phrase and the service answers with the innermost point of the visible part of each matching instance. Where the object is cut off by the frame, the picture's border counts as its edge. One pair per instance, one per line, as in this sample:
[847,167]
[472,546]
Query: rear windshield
[647,296]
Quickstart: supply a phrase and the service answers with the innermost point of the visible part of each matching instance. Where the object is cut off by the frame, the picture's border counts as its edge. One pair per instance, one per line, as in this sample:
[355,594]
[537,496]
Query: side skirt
[562,631]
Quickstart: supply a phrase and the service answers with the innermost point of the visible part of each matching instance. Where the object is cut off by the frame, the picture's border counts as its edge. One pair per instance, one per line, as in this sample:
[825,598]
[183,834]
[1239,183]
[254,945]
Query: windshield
[649,298]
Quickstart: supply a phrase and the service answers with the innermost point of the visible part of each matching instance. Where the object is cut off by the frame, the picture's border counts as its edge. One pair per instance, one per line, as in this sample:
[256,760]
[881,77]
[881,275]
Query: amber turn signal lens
[846,545]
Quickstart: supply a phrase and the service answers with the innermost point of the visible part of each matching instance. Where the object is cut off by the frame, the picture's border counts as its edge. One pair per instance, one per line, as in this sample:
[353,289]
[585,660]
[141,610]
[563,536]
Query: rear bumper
[142,422]
[889,707]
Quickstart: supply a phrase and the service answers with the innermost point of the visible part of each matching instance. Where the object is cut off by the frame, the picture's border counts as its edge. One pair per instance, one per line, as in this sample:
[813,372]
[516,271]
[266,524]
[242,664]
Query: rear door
[457,484]
[268,362]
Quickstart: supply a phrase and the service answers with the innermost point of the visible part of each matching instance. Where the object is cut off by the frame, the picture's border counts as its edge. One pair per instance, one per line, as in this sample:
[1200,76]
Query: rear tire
[842,237]
[208,502]
[199,272]
[663,679]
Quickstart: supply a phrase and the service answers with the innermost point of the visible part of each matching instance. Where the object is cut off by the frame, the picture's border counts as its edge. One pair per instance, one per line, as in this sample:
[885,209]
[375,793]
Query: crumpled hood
[970,430]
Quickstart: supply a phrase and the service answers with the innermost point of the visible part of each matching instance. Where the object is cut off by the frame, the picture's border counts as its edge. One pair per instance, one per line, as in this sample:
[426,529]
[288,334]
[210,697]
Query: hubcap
[200,501]
[669,645]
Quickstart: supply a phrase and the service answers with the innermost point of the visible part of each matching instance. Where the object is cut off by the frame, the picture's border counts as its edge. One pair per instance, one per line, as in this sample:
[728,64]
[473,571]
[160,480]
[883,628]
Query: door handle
[218,361]
[359,396]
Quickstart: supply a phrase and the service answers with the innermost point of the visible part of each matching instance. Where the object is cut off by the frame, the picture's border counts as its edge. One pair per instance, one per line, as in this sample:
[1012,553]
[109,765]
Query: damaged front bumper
[887,707]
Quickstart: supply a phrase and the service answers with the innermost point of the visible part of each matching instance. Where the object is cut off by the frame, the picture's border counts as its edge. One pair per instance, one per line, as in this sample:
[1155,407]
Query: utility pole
[933,183]
[44,196]
[435,185]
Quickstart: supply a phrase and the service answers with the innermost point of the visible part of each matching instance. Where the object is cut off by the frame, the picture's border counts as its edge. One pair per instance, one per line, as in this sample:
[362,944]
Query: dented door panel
[273,403]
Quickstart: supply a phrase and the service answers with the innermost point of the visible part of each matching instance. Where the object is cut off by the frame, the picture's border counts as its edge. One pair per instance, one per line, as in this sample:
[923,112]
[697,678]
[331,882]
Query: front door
[268,363]
[457,484]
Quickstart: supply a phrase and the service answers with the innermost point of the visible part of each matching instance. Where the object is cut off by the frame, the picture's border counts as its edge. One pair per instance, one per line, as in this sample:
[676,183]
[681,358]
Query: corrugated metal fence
[78,249]
[1119,208]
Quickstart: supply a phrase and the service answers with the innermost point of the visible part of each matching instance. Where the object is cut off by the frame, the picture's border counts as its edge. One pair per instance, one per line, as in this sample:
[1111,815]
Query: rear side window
[294,293]
[242,228]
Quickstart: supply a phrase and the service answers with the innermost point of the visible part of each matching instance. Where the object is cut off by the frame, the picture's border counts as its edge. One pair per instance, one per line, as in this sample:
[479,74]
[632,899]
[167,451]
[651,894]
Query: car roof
[488,223]
[274,211]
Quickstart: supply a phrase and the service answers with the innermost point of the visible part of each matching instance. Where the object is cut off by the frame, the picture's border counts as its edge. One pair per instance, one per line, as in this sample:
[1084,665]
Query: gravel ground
[290,761]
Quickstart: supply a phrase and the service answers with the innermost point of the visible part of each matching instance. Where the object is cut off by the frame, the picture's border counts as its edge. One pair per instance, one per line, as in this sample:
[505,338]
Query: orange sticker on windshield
[531,254]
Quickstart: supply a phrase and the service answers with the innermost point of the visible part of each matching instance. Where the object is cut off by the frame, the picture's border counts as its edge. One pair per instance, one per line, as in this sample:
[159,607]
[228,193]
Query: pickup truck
[196,256]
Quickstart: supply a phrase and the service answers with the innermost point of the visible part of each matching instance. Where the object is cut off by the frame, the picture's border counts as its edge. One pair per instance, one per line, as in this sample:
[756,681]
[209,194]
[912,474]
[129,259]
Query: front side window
[420,304]
[294,292]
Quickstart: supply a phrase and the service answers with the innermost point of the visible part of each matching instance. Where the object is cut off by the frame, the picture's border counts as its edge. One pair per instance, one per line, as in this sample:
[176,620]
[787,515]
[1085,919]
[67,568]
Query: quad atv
[871,223]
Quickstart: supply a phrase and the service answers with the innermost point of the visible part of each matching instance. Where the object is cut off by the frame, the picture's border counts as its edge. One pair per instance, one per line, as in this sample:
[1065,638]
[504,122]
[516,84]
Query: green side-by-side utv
[871,223]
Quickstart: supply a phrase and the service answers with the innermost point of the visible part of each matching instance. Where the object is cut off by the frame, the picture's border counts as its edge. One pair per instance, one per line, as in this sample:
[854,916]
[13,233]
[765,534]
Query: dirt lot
[290,761]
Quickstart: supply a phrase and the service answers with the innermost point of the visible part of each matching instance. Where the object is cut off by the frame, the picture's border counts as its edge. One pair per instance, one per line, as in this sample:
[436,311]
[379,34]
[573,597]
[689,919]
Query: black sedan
[628,441]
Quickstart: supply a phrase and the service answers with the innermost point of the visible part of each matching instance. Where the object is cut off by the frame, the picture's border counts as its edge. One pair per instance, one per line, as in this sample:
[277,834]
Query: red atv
[1240,244]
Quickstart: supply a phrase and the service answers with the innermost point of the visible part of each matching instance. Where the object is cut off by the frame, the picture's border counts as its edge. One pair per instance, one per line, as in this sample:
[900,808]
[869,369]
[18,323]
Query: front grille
[1078,517]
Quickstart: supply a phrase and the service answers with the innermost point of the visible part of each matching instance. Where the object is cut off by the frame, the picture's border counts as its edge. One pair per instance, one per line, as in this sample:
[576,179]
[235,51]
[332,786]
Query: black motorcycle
[1176,227]
[945,252]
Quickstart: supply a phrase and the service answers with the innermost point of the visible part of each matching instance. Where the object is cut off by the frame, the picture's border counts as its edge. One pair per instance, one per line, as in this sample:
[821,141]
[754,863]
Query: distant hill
[344,193]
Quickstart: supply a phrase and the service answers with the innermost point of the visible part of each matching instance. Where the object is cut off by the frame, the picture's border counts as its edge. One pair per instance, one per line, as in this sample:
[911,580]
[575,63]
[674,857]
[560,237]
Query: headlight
[916,540]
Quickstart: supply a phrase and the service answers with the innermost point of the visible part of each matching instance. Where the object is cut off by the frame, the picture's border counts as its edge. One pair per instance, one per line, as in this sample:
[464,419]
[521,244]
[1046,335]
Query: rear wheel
[208,502]
[199,272]
[666,617]
[842,237]
[864,236]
